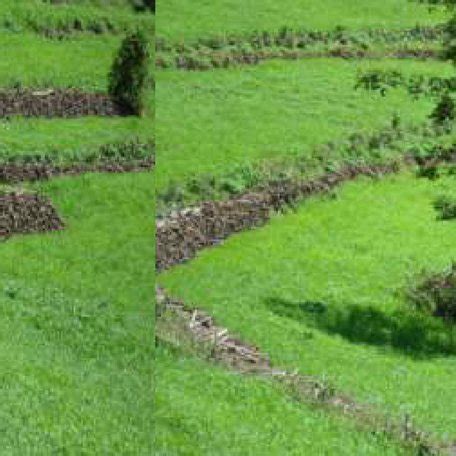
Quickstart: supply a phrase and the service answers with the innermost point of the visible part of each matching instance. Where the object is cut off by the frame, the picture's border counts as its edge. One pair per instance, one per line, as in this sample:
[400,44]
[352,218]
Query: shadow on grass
[409,332]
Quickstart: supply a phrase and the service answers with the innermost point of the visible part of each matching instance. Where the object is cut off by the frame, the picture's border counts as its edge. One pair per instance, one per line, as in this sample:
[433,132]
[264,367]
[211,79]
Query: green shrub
[445,110]
[446,206]
[143,5]
[450,40]
[129,74]
[436,294]
[431,172]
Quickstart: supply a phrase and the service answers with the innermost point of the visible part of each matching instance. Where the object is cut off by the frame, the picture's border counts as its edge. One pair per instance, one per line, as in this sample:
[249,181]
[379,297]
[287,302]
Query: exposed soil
[56,103]
[248,359]
[18,172]
[22,213]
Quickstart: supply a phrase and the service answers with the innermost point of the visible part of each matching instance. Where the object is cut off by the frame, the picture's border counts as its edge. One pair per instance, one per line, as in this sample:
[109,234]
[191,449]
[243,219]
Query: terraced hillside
[76,235]
[300,206]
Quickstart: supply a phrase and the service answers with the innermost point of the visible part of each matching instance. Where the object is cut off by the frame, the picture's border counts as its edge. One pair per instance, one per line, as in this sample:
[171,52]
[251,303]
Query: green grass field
[81,62]
[214,121]
[76,306]
[206,410]
[202,18]
[92,17]
[350,256]
[322,289]
[76,327]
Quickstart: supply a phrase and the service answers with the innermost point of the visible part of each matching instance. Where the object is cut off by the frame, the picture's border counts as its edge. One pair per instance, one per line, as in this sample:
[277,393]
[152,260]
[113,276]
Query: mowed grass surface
[77,323]
[187,20]
[213,121]
[321,290]
[35,61]
[83,63]
[202,409]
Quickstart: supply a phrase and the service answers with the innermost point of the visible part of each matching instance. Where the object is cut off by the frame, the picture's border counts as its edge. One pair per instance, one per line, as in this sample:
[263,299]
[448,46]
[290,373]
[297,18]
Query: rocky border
[245,358]
[183,233]
[226,50]
[22,213]
[57,103]
[302,38]
[12,173]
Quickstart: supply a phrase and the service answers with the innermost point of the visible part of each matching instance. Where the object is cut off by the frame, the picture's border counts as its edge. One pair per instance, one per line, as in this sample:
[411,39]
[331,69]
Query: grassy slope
[230,117]
[82,62]
[205,410]
[32,60]
[103,16]
[350,253]
[76,324]
[179,20]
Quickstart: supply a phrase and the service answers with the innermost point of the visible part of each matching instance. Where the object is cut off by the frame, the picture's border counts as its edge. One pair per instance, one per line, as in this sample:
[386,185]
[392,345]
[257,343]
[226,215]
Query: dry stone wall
[56,103]
[22,213]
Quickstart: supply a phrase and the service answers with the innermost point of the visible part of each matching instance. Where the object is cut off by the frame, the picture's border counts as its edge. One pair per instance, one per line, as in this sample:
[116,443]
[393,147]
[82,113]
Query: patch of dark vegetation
[22,213]
[416,85]
[137,5]
[116,158]
[224,51]
[412,333]
[435,294]
[57,103]
[431,172]
[449,37]
[129,74]
[446,207]
[445,110]
[144,5]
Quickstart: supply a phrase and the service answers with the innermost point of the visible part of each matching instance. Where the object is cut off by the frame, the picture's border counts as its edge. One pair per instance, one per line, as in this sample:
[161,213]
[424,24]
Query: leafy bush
[129,74]
[436,294]
[450,40]
[430,172]
[143,5]
[445,110]
[446,206]
[380,80]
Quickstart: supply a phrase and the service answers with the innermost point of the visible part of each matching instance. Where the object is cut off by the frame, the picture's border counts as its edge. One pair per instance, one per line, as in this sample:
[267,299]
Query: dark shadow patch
[408,332]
